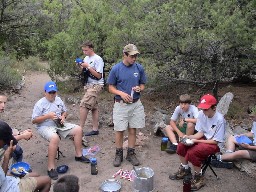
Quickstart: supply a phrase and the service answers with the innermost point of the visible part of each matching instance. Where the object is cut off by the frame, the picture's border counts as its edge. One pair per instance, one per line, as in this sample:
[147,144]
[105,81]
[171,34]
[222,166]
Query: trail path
[18,115]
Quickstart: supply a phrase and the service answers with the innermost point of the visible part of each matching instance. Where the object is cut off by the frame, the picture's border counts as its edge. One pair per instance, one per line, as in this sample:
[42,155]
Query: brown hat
[131,49]
[6,133]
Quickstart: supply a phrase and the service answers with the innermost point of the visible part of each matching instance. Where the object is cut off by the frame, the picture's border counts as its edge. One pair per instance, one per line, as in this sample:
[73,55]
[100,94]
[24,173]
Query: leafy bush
[9,77]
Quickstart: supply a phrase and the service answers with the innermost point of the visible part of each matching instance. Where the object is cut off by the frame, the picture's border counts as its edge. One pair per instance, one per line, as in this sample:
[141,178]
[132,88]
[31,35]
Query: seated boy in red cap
[207,141]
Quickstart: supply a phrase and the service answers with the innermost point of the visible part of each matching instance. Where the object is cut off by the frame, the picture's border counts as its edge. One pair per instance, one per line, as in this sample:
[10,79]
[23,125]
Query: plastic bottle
[186,184]
[94,168]
[164,143]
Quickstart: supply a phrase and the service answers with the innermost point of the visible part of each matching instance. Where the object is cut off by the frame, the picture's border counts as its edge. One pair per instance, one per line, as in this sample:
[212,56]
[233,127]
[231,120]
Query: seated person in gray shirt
[49,115]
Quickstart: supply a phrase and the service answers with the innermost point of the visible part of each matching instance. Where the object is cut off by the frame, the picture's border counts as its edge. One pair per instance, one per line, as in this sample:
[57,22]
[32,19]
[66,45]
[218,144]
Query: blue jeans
[17,154]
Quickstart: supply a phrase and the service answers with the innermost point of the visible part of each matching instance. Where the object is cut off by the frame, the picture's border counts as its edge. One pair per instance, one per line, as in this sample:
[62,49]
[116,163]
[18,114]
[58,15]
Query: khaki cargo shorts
[27,184]
[90,99]
[128,116]
[48,132]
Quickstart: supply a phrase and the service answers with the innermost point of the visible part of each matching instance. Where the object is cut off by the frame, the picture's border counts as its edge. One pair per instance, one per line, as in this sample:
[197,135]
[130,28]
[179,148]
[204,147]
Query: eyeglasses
[133,56]
[52,92]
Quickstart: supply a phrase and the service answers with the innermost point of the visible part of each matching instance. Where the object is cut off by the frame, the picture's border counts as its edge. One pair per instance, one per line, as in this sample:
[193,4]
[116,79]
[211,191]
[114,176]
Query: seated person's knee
[55,138]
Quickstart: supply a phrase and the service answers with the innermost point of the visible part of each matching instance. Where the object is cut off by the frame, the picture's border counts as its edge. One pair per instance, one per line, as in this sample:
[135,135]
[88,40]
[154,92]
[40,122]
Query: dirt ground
[18,115]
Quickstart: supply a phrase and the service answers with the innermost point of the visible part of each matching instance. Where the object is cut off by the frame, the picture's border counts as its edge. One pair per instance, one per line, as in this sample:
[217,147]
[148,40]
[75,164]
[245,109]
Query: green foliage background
[195,41]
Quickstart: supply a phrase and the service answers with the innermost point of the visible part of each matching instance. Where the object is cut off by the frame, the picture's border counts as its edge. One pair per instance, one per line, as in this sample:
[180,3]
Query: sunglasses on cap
[52,92]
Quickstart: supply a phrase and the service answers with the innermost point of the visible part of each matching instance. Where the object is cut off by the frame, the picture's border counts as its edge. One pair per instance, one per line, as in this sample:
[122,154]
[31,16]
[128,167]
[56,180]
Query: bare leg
[83,116]
[240,154]
[183,161]
[197,169]
[170,134]
[33,174]
[119,136]
[231,143]
[131,137]
[190,129]
[77,132]
[43,183]
[95,119]
[52,151]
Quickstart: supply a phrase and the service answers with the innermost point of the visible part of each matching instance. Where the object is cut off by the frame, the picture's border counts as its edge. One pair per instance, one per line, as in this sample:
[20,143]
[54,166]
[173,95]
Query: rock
[246,166]
[159,122]
[224,103]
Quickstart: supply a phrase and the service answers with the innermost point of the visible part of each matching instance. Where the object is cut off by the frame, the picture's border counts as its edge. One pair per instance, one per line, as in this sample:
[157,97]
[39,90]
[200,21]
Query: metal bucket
[144,181]
[110,185]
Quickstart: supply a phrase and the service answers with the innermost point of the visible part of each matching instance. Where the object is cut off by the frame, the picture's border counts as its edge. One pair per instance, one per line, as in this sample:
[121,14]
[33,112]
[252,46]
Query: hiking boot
[53,174]
[131,157]
[118,158]
[82,159]
[181,173]
[198,182]
[222,164]
[172,149]
[91,133]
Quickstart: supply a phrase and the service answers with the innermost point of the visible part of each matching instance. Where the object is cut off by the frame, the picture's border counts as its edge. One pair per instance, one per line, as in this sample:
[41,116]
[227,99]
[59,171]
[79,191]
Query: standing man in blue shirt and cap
[127,80]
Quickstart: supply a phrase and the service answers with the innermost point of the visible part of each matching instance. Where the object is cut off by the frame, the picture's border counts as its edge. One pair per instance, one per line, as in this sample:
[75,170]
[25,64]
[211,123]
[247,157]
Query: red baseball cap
[207,101]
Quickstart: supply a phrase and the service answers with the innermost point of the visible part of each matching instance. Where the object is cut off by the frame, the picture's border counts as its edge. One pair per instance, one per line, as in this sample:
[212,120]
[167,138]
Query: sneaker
[53,174]
[181,173]
[172,149]
[197,182]
[222,164]
[91,133]
[82,159]
[131,157]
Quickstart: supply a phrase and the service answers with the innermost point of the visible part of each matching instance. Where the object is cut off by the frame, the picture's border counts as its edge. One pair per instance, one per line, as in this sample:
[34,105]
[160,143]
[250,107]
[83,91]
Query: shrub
[9,77]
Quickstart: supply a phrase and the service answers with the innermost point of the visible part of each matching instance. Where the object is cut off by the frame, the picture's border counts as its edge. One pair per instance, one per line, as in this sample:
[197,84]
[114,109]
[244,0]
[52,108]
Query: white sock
[185,166]
[229,151]
[220,158]
[199,172]
[175,143]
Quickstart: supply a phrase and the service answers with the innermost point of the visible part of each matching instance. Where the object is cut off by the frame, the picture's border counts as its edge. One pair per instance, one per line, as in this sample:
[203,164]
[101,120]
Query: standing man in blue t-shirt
[126,80]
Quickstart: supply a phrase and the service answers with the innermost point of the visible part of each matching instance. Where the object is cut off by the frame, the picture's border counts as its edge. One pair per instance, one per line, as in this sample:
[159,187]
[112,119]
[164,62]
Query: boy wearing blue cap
[49,115]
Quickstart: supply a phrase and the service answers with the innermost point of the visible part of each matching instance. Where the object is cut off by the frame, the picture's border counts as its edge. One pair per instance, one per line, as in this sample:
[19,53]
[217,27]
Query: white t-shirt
[96,62]
[8,183]
[254,132]
[191,113]
[212,128]
[43,106]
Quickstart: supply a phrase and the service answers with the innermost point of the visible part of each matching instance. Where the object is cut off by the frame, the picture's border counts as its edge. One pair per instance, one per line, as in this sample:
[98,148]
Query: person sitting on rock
[187,114]
[49,115]
[207,141]
[246,143]
[17,154]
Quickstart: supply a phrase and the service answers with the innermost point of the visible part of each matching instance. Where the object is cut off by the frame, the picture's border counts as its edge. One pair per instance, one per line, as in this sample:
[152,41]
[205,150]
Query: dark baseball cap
[6,133]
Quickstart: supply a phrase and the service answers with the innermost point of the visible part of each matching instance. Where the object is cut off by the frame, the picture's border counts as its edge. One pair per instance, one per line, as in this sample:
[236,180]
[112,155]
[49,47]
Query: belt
[122,101]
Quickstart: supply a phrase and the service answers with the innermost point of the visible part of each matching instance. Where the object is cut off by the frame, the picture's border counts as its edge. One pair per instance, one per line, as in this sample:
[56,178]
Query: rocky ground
[18,115]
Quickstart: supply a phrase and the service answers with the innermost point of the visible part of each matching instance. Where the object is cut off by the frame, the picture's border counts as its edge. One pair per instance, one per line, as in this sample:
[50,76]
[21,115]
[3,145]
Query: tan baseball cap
[131,49]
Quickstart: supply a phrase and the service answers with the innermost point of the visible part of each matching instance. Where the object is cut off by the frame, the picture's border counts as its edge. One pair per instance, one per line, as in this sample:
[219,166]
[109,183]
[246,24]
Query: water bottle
[94,169]
[186,184]
[164,143]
